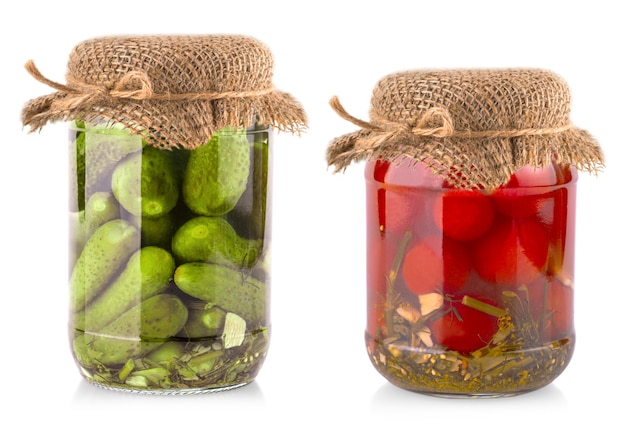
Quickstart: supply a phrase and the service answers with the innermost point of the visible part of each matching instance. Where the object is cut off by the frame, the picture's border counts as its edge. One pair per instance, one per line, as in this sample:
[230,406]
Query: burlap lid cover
[474,126]
[177,90]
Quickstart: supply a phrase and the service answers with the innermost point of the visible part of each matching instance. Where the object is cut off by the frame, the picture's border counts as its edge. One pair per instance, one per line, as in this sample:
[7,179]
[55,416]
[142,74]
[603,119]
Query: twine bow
[441,117]
[134,85]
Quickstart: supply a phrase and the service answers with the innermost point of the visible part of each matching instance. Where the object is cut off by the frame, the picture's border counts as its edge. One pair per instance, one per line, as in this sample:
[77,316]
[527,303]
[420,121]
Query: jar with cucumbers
[470,220]
[170,210]
[170,253]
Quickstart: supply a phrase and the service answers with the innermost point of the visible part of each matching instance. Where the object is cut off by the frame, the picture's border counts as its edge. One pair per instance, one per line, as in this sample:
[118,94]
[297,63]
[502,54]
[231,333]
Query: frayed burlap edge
[452,158]
[193,124]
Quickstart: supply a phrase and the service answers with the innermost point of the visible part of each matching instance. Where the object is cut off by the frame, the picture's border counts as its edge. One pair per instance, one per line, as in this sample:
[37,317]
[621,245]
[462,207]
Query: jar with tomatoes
[470,229]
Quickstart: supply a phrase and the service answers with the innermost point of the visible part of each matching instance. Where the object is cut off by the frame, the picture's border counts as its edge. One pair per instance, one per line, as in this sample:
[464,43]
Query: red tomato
[512,253]
[436,264]
[533,240]
[463,215]
[515,202]
[526,192]
[535,193]
[552,307]
[528,176]
[464,329]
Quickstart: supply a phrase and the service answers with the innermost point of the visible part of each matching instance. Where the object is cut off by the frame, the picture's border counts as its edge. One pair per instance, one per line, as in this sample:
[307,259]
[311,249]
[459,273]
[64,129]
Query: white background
[317,374]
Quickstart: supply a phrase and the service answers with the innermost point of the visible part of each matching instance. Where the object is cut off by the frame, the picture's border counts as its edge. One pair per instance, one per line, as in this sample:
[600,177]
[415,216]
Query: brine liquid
[216,348]
[470,293]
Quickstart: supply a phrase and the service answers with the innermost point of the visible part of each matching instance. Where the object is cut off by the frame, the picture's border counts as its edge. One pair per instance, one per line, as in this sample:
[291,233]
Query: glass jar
[470,293]
[169,267]
[170,193]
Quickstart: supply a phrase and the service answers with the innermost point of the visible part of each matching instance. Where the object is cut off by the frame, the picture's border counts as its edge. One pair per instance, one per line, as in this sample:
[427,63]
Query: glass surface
[169,260]
[469,293]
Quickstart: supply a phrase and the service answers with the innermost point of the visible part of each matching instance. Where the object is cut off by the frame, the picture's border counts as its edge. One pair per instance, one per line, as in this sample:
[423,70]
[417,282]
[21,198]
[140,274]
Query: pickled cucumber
[94,153]
[217,173]
[100,208]
[104,254]
[249,217]
[228,288]
[204,323]
[213,240]
[139,330]
[147,273]
[146,183]
[168,352]
[157,231]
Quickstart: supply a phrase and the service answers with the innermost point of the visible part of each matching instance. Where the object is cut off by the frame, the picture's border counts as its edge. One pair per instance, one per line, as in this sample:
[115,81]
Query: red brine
[470,291]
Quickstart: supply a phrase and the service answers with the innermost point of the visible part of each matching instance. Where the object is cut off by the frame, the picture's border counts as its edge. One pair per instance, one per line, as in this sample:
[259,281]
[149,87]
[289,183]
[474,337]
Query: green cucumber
[217,173]
[214,240]
[147,273]
[104,254]
[230,289]
[146,183]
[93,156]
[139,330]
[207,322]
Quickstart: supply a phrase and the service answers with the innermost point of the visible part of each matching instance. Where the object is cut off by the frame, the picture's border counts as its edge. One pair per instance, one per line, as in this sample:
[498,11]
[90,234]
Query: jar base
[197,366]
[166,392]
[470,396]
[447,374]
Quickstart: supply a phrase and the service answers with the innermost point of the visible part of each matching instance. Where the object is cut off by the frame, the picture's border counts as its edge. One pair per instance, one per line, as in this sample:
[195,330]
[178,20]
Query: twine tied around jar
[481,125]
[436,115]
[133,85]
[173,90]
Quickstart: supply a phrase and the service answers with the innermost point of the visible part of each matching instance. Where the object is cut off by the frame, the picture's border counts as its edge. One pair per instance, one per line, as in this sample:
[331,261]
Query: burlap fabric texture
[475,126]
[176,90]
